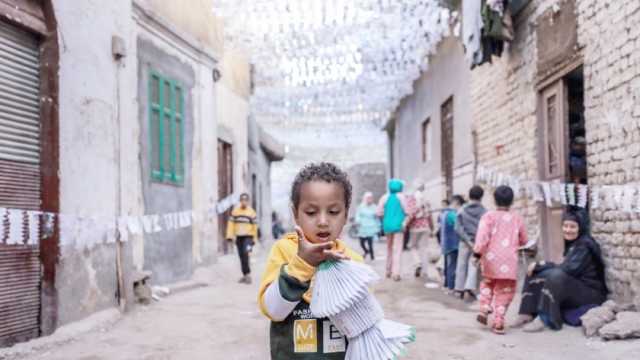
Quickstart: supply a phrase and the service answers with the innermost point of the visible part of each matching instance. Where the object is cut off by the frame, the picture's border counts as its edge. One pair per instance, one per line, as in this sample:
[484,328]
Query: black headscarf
[581,217]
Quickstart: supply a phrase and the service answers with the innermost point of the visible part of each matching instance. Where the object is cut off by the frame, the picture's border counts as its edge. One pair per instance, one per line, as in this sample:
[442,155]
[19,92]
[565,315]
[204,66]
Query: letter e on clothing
[332,341]
[305,336]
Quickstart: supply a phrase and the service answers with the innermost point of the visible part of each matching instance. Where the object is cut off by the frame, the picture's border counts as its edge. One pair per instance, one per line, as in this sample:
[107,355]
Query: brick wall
[610,33]
[504,102]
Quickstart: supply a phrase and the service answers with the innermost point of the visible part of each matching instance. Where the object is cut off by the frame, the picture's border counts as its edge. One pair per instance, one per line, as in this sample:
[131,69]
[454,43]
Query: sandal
[483,318]
[418,271]
[498,329]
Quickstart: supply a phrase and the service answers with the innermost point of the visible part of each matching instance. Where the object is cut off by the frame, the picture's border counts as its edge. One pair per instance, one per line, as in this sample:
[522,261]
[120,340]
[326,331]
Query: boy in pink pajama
[500,234]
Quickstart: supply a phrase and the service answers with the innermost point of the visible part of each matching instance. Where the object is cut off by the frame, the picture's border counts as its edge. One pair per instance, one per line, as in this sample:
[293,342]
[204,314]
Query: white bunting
[595,197]
[34,227]
[16,227]
[627,199]
[170,221]
[184,219]
[571,194]
[546,190]
[4,228]
[133,225]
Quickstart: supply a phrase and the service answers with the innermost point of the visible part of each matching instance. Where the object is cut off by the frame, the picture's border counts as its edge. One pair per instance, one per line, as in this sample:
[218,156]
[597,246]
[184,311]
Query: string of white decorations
[352,59]
[624,198]
[28,227]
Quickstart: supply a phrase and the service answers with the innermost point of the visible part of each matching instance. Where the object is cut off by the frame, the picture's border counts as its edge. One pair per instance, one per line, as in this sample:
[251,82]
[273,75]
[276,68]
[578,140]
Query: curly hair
[323,171]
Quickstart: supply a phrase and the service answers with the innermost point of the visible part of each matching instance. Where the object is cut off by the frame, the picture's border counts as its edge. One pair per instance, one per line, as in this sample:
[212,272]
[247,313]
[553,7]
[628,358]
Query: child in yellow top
[320,197]
[243,228]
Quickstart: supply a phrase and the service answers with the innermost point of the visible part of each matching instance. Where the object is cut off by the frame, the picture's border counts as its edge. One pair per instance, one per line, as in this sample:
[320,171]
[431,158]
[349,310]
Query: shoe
[483,318]
[536,325]
[469,297]
[522,321]
[388,275]
[396,278]
[418,271]
[498,329]
[248,280]
[242,280]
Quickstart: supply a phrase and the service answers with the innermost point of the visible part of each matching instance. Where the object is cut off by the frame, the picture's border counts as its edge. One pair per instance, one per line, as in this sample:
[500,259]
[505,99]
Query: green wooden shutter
[166,125]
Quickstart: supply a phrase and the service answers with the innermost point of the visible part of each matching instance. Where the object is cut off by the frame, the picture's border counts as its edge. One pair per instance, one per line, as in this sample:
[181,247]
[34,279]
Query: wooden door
[554,125]
[446,114]
[225,188]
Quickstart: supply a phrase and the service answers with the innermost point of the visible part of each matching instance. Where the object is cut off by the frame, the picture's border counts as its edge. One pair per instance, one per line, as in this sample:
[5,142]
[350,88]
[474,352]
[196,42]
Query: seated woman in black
[578,281]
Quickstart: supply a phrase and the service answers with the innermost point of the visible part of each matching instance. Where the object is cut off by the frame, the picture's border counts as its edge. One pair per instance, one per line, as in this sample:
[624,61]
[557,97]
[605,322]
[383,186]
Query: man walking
[242,227]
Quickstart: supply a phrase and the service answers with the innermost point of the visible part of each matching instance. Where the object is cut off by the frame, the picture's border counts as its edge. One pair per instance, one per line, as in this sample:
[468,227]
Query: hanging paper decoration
[627,199]
[571,194]
[546,189]
[184,219]
[33,218]
[133,225]
[333,62]
[595,198]
[4,225]
[583,195]
[16,227]
[563,194]
[170,221]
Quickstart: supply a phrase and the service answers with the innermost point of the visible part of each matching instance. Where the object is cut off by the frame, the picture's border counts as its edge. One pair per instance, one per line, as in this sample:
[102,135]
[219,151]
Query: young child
[320,199]
[466,227]
[500,234]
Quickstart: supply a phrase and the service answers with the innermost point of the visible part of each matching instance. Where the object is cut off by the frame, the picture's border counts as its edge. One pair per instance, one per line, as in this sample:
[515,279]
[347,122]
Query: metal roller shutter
[20,268]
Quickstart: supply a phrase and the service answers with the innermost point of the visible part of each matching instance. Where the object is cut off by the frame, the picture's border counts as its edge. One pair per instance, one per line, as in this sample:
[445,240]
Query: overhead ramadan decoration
[333,61]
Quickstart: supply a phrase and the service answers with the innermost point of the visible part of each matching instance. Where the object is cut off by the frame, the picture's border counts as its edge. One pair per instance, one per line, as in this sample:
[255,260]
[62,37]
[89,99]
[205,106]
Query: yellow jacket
[242,222]
[285,252]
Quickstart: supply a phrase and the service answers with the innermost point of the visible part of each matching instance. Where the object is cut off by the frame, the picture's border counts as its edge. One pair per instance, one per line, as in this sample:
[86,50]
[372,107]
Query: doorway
[563,150]
[225,188]
[446,114]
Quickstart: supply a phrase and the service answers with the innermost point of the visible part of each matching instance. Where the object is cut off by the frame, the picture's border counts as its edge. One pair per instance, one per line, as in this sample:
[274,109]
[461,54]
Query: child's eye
[310,213]
[334,212]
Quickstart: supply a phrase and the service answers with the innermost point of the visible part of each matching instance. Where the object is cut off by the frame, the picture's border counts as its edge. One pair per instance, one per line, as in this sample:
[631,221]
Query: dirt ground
[222,321]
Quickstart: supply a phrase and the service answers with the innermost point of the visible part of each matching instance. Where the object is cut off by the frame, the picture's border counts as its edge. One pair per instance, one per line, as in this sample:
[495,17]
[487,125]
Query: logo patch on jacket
[332,340]
[305,336]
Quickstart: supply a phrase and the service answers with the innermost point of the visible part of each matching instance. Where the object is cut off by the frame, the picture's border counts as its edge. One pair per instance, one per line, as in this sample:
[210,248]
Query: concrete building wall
[448,76]
[167,254]
[168,48]
[98,142]
[103,141]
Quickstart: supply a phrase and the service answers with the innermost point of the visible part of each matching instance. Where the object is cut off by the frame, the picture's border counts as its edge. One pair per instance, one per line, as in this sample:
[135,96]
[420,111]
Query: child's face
[322,211]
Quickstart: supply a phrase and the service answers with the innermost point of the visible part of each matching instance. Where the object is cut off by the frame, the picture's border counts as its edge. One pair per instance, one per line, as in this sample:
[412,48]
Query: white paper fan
[338,285]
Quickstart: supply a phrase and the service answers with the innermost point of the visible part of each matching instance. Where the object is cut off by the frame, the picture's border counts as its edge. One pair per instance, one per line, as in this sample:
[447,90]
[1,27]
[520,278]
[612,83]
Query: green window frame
[166,129]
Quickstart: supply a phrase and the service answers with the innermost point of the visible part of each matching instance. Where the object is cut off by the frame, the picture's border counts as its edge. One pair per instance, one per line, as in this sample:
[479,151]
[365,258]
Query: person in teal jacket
[368,224]
[393,209]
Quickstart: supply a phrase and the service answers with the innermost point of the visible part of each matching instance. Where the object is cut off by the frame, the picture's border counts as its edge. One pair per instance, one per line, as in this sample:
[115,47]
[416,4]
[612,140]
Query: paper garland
[19,227]
[624,198]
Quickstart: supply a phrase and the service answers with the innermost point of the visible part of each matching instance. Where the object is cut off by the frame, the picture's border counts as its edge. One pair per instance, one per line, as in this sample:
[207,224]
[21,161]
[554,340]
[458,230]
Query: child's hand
[314,254]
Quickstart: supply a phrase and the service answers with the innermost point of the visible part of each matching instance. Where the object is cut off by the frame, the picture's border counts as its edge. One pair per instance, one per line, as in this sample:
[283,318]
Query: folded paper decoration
[341,293]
